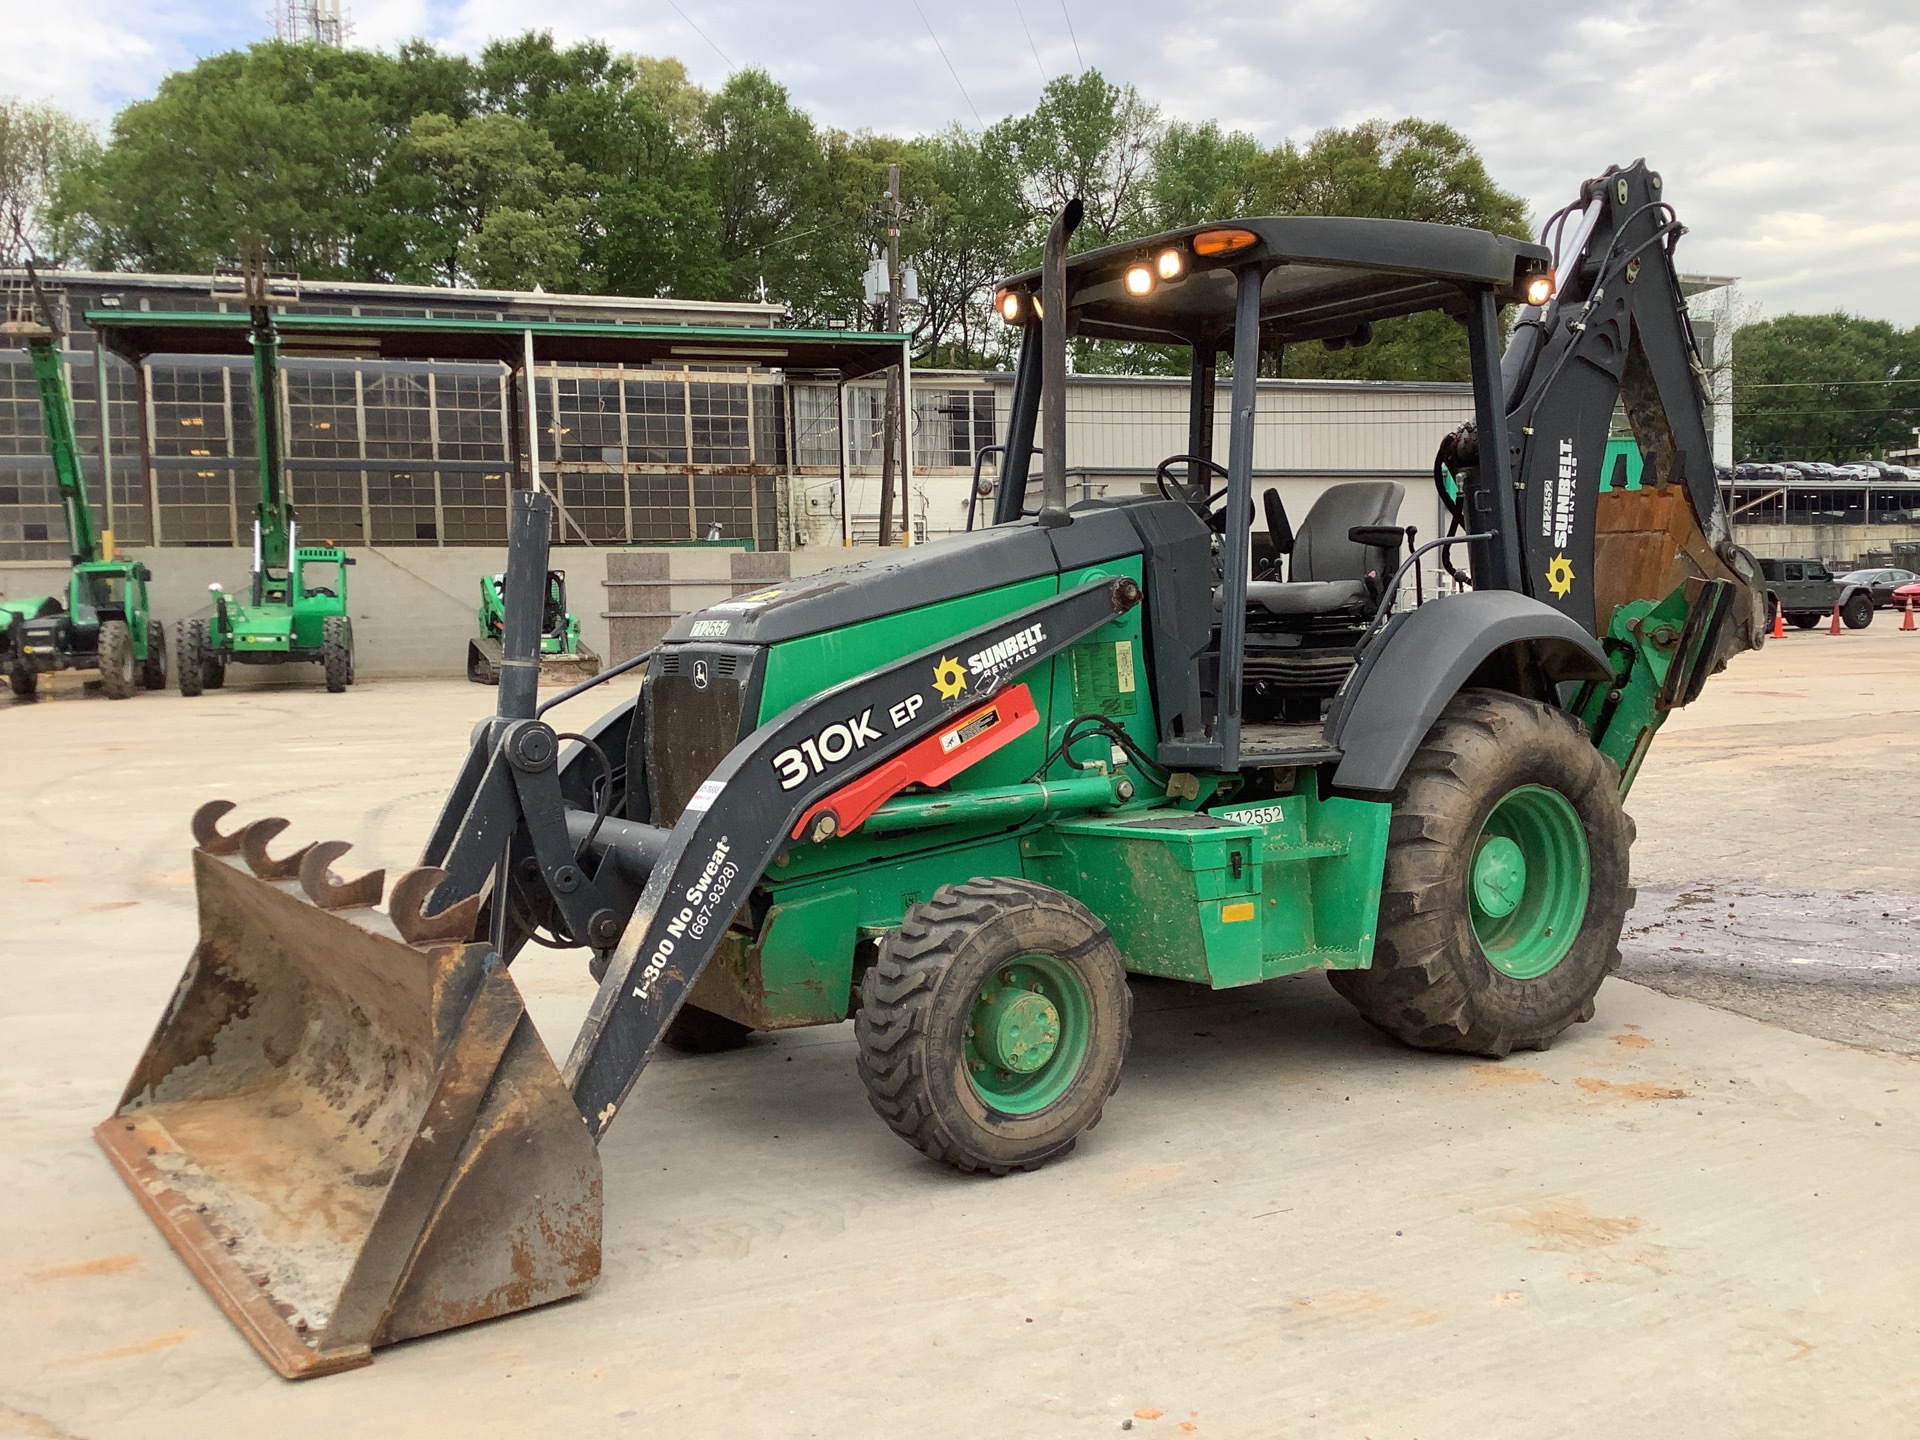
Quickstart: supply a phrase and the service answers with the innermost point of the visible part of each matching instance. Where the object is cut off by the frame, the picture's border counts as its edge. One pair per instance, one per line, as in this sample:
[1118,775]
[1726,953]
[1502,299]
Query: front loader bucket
[346,1123]
[582,664]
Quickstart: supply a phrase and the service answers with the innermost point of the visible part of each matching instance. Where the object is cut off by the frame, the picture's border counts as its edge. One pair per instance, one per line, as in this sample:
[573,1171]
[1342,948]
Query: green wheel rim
[1027,1034]
[1527,887]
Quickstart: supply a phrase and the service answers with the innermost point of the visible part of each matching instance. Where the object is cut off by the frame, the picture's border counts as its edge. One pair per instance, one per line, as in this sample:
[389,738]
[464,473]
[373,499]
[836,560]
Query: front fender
[1424,658]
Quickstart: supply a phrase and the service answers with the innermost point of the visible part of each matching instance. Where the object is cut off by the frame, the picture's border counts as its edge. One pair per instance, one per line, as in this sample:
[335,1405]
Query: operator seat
[1329,572]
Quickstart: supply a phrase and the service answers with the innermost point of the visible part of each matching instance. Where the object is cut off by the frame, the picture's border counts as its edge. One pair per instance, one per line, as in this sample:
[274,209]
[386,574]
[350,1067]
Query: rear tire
[1804,620]
[153,670]
[1507,826]
[23,682]
[1857,612]
[336,654]
[994,1025]
[119,671]
[192,656]
[701,1032]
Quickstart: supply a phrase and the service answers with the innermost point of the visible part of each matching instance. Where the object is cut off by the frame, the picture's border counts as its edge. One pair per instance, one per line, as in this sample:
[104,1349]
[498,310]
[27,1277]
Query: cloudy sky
[1789,134]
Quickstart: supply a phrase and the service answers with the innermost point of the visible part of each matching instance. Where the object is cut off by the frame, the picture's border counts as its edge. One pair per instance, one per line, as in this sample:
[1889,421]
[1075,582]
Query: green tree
[499,205]
[1824,387]
[39,146]
[788,199]
[961,241]
[649,222]
[1196,169]
[1400,170]
[285,140]
[1091,139]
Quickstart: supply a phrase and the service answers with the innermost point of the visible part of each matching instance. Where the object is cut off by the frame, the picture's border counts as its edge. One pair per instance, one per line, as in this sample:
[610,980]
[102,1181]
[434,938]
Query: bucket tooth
[329,894]
[206,829]
[253,849]
[350,1140]
[406,908]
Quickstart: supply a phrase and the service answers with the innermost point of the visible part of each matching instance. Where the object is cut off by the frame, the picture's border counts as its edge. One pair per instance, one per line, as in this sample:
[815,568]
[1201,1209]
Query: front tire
[1506,883]
[119,671]
[153,670]
[993,1025]
[23,682]
[1804,619]
[336,654]
[192,657]
[1857,613]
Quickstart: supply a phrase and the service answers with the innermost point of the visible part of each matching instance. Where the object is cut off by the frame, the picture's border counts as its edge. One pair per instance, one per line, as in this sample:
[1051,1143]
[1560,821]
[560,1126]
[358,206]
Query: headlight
[1007,302]
[1540,289]
[1139,280]
[1170,263]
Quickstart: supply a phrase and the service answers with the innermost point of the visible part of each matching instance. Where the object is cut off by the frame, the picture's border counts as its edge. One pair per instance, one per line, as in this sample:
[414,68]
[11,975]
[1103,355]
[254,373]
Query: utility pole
[891,413]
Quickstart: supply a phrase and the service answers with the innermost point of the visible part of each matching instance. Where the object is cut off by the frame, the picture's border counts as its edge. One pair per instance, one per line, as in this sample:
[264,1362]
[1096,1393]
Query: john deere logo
[1560,576]
[949,678]
[699,674]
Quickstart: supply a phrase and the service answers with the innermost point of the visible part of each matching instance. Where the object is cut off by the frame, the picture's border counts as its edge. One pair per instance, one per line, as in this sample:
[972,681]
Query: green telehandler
[562,655]
[103,623]
[295,611]
[962,792]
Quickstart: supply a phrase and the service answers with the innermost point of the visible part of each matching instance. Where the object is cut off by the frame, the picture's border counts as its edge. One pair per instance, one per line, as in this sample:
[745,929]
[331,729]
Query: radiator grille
[690,727]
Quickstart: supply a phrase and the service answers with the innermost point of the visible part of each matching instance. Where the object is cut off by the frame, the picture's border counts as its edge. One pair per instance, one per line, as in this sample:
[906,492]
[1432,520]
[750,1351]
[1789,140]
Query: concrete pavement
[1679,1220]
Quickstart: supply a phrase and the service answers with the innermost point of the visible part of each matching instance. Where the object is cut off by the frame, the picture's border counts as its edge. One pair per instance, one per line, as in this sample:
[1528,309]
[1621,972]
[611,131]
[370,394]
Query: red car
[1905,595]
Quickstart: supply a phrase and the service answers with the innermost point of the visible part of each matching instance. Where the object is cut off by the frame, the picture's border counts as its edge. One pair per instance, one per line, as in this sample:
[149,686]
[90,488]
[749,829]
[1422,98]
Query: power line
[731,67]
[1044,77]
[950,70]
[1071,36]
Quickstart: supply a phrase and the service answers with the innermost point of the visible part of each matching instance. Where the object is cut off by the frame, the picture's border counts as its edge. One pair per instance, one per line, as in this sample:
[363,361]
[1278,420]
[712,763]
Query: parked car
[1908,594]
[1805,591]
[1881,582]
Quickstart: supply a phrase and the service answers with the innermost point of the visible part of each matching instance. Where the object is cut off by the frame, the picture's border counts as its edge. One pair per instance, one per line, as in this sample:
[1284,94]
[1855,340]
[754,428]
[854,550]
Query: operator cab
[1270,624]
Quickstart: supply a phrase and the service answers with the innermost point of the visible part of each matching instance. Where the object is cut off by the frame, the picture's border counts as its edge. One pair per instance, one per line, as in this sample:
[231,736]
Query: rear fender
[1492,638]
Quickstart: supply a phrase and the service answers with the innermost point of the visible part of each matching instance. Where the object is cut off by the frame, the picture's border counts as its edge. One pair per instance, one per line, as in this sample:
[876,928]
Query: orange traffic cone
[1833,626]
[1906,620]
[1779,623]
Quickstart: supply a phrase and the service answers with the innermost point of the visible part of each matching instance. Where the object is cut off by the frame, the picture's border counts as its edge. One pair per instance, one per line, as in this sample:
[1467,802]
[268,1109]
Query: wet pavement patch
[1842,965]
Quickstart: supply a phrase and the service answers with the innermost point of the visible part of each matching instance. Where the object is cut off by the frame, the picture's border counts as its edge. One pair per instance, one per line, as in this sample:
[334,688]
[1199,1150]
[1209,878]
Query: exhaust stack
[1053,366]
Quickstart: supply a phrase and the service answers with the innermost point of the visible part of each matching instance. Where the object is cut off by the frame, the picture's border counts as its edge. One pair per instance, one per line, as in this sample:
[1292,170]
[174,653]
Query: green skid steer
[563,657]
[961,793]
[103,623]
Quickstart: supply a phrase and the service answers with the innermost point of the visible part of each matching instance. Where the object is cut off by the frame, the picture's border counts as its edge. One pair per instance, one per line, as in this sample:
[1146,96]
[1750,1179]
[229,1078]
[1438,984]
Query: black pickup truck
[1806,591]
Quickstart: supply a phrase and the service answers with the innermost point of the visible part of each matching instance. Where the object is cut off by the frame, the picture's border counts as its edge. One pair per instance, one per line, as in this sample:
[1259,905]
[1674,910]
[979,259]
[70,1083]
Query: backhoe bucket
[346,1123]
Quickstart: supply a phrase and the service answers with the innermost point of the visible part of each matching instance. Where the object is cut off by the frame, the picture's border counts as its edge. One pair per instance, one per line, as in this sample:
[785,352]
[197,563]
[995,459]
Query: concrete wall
[1838,545]
[414,609]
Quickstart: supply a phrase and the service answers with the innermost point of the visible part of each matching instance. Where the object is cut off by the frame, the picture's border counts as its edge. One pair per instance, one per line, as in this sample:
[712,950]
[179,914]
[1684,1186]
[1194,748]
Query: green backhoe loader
[295,610]
[102,623]
[962,792]
[563,657]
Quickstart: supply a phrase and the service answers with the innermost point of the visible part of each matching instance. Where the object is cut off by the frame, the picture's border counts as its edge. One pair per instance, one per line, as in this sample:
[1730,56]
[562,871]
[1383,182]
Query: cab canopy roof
[1327,278]
[135,334]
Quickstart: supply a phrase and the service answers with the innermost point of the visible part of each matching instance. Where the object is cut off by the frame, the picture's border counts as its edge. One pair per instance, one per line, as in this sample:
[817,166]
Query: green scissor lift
[296,606]
[103,623]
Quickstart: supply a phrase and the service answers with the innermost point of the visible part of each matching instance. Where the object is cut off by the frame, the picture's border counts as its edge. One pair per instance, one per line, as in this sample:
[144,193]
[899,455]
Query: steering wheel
[1203,507]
